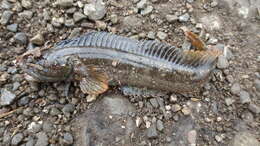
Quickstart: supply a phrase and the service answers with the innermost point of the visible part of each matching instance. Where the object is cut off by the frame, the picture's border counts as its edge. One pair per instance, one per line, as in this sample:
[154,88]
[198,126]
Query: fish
[98,60]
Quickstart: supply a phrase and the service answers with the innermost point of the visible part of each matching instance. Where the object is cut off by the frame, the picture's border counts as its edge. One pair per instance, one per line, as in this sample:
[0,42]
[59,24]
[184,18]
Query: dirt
[215,117]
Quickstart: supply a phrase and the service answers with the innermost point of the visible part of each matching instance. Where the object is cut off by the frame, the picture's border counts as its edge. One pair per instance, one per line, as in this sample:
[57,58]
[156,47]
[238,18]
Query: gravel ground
[225,113]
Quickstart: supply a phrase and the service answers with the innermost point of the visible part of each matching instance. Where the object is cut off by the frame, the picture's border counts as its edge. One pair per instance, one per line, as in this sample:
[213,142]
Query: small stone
[229,101]
[17,139]
[186,111]
[244,97]
[78,16]
[235,89]
[30,142]
[57,22]
[6,16]
[68,108]
[218,138]
[23,101]
[152,132]
[132,21]
[26,14]
[54,111]
[47,127]
[254,108]
[7,97]
[21,38]
[12,27]
[64,3]
[257,84]
[192,136]
[6,5]
[162,35]
[42,139]
[46,15]
[38,39]
[141,4]
[147,10]
[26,4]
[159,125]
[244,139]
[114,19]
[173,98]
[69,23]
[34,127]
[154,102]
[214,3]
[222,62]
[176,107]
[171,18]
[16,85]
[67,139]
[184,18]
[186,45]
[95,10]
[101,25]
[151,35]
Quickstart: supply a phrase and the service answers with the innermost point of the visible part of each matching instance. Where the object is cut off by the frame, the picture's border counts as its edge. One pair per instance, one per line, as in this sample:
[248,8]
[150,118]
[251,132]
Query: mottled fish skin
[146,63]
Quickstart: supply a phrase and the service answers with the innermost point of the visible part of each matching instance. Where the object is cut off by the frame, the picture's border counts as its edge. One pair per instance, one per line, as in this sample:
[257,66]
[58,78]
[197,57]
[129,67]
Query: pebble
[26,14]
[151,35]
[254,108]
[229,101]
[186,111]
[6,16]
[176,107]
[68,108]
[7,97]
[173,98]
[141,4]
[69,23]
[47,126]
[154,102]
[21,38]
[147,10]
[46,15]
[159,125]
[54,111]
[95,10]
[171,18]
[16,85]
[235,89]
[78,16]
[244,97]
[64,3]
[244,139]
[192,136]
[162,35]
[17,139]
[184,18]
[152,132]
[30,142]
[67,139]
[38,39]
[257,84]
[23,101]
[114,19]
[222,62]
[12,27]
[214,3]
[57,22]
[42,139]
[132,21]
[6,5]
[26,4]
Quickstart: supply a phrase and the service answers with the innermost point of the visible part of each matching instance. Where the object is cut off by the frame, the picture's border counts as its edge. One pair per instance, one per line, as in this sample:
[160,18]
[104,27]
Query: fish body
[100,59]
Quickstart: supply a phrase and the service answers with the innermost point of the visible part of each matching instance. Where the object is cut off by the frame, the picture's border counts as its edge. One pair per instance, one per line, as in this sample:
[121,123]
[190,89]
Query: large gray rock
[105,123]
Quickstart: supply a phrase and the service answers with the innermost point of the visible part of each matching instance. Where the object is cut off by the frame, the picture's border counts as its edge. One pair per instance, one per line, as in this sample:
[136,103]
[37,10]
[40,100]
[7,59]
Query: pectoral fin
[195,41]
[93,80]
